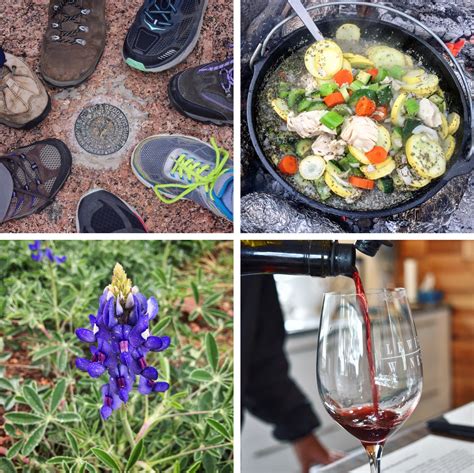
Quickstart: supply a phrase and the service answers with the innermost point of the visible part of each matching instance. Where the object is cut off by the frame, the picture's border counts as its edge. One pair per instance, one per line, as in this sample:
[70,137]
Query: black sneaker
[30,178]
[100,211]
[163,34]
[205,93]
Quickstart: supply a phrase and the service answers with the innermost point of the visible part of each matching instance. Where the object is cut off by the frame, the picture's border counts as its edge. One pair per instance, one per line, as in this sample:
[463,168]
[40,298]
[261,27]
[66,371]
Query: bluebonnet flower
[120,340]
[38,253]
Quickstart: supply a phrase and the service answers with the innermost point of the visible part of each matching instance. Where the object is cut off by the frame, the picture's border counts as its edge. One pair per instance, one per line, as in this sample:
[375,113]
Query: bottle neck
[311,258]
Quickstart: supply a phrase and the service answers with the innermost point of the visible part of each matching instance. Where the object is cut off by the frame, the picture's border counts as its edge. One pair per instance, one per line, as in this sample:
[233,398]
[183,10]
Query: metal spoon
[300,10]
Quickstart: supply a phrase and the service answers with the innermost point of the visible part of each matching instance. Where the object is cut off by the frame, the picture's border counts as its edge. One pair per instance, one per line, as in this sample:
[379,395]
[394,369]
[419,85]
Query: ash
[267,207]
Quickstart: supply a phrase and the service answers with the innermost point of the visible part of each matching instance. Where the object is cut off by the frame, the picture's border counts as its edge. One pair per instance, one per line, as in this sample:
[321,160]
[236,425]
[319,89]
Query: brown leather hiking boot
[24,101]
[74,41]
[31,177]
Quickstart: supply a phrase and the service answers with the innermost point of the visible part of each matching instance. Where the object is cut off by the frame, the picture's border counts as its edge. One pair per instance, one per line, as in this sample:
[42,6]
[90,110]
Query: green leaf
[211,351]
[23,418]
[161,325]
[34,439]
[195,292]
[201,375]
[37,355]
[209,463]
[6,385]
[177,467]
[33,399]
[13,451]
[6,466]
[57,395]
[73,442]
[64,417]
[90,468]
[60,459]
[194,468]
[61,360]
[135,455]
[219,428]
[106,458]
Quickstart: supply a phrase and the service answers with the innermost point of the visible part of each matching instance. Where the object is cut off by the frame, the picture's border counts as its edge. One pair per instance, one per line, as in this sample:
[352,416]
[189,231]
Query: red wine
[368,424]
[364,307]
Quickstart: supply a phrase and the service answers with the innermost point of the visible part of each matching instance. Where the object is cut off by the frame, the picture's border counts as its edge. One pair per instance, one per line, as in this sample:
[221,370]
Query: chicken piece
[307,124]
[429,113]
[328,147]
[426,130]
[308,83]
[360,132]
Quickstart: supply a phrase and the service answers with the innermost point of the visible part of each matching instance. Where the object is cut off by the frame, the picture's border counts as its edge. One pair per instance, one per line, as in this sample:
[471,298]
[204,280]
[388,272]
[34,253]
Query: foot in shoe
[24,101]
[181,167]
[100,211]
[205,93]
[163,34]
[30,178]
[74,41]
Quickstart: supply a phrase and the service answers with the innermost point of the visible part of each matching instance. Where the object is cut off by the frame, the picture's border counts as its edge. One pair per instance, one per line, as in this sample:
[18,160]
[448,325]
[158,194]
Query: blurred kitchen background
[439,278]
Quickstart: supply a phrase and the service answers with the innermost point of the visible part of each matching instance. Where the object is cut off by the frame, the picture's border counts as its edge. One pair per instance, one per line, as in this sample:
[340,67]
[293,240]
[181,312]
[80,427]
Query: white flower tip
[135,290]
[130,302]
[146,334]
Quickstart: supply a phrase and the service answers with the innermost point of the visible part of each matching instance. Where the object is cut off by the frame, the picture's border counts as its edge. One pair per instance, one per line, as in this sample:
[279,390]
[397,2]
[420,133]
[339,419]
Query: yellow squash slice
[376,171]
[358,154]
[348,32]
[449,145]
[425,156]
[443,131]
[414,76]
[385,56]
[454,120]
[281,108]
[323,59]
[397,109]
[358,61]
[337,187]
[427,86]
[383,139]
[408,60]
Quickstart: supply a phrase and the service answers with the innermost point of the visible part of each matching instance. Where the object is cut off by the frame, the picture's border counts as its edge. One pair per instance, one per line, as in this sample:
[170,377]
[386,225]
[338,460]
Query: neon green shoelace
[192,170]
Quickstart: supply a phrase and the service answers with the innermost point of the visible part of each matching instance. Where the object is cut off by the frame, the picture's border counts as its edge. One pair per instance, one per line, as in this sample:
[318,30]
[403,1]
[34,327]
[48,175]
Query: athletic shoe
[24,102]
[31,177]
[163,34]
[205,93]
[100,211]
[74,41]
[180,167]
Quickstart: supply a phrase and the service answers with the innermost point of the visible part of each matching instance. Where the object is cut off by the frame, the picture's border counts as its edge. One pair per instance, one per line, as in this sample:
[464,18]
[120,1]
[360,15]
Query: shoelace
[160,13]
[12,163]
[192,170]
[59,18]
[226,72]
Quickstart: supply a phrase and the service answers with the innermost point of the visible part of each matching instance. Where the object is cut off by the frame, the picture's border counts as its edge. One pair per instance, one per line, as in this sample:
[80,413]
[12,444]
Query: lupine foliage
[52,408]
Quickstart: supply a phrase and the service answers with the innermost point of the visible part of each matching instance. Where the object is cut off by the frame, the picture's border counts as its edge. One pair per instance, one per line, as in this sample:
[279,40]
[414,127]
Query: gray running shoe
[180,167]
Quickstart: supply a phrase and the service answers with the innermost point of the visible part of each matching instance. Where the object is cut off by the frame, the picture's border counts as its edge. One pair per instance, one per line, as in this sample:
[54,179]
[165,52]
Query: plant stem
[126,425]
[54,293]
[191,452]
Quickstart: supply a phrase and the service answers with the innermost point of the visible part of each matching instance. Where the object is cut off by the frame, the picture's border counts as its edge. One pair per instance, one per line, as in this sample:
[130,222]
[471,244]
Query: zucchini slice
[397,109]
[425,156]
[312,167]
[427,86]
[383,139]
[357,61]
[281,108]
[323,59]
[348,32]
[454,120]
[377,171]
[384,56]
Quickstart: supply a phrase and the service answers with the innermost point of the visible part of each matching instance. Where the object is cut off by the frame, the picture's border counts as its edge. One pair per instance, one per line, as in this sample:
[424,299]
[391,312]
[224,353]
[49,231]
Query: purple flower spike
[120,339]
[38,253]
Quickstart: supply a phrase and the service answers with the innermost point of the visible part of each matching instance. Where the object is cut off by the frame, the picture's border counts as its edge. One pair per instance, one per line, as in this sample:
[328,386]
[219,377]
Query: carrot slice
[373,72]
[334,99]
[380,114]
[361,182]
[377,155]
[365,107]
[288,165]
[344,76]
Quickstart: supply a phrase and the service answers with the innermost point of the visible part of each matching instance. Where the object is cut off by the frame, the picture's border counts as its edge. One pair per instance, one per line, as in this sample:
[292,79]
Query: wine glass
[369,366]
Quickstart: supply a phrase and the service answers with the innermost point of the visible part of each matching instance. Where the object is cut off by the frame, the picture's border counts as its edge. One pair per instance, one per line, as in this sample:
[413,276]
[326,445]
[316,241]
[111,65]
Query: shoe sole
[75,82]
[177,60]
[182,111]
[132,209]
[68,156]
[31,124]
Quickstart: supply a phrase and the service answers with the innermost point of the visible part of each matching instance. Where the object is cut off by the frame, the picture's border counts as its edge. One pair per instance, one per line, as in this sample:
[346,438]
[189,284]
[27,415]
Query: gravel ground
[143,98]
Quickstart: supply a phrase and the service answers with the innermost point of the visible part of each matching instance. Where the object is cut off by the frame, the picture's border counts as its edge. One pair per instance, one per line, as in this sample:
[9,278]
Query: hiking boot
[180,167]
[100,211]
[24,102]
[74,41]
[163,34]
[205,93]
[30,178]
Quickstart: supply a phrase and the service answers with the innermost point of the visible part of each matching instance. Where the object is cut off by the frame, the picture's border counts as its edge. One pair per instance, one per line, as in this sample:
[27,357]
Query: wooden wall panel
[452,262]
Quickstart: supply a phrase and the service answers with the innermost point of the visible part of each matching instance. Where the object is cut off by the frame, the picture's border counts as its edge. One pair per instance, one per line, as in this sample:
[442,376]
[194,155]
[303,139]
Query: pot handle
[262,47]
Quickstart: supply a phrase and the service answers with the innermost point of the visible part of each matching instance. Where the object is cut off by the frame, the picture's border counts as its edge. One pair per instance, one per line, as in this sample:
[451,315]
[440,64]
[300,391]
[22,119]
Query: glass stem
[375,456]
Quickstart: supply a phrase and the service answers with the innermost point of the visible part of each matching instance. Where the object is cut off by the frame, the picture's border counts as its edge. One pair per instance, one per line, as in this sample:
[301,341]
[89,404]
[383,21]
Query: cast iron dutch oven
[462,162]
